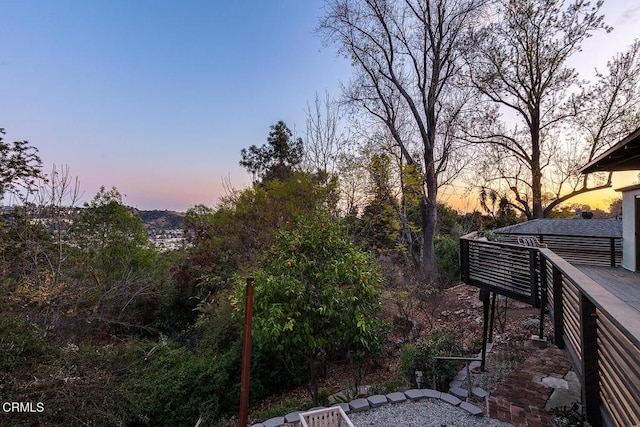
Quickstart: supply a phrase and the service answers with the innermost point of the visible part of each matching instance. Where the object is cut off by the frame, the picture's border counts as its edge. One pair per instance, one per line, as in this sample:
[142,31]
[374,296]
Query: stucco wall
[629,229]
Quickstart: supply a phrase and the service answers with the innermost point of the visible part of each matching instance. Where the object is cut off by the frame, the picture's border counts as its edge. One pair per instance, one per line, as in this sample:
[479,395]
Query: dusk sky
[158,97]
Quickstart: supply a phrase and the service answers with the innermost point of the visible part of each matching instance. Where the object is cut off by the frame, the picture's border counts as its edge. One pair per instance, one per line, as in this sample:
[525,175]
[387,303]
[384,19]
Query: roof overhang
[629,188]
[623,156]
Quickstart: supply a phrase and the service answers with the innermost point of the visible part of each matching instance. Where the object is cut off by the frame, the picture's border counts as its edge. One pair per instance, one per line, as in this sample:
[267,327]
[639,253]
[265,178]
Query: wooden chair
[530,241]
[326,417]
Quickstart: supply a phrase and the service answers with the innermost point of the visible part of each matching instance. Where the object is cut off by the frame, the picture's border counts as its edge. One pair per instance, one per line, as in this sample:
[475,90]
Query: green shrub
[475,345]
[315,292]
[175,385]
[323,397]
[21,343]
[569,417]
[421,356]
[385,387]
[447,258]
[281,408]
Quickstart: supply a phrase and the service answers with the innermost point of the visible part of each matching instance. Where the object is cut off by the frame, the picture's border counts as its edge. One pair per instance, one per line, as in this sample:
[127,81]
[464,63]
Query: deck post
[484,296]
[493,315]
[558,307]
[467,369]
[533,277]
[590,373]
[612,246]
[543,293]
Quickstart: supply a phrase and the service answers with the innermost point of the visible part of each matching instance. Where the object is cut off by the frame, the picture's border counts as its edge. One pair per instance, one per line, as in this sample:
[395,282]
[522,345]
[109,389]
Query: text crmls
[23,407]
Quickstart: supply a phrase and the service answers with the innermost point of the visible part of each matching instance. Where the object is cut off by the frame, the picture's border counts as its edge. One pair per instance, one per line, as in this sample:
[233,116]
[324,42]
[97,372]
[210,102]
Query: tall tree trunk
[429,218]
[408,59]
[536,172]
[429,211]
[430,215]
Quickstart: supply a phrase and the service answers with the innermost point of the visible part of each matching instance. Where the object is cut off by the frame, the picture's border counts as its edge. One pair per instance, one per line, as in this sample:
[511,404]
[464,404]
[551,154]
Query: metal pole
[469,388]
[493,315]
[484,296]
[246,355]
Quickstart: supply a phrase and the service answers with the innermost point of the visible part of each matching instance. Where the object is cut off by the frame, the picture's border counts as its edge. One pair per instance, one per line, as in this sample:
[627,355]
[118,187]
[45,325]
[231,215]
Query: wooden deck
[595,312]
[622,283]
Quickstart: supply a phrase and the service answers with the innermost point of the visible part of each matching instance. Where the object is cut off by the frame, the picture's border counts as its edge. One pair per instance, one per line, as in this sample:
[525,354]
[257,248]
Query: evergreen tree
[20,166]
[275,160]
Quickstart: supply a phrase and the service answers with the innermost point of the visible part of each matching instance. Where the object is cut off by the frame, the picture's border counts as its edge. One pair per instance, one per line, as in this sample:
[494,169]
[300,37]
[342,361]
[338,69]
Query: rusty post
[246,355]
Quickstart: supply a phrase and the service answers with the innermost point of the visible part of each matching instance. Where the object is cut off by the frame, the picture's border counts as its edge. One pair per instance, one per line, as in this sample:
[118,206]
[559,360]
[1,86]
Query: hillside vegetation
[99,327]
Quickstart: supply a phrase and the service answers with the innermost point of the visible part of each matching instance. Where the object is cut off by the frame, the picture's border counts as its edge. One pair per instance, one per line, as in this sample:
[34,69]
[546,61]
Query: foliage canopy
[20,165]
[275,160]
[316,293]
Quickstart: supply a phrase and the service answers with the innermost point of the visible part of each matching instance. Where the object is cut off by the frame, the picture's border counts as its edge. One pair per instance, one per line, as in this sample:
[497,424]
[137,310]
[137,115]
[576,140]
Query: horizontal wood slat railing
[503,268]
[572,328]
[590,250]
[619,367]
[600,332]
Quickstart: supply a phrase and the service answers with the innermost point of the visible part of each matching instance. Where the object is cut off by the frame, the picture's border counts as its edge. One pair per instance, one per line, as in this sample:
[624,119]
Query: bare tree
[331,153]
[353,180]
[520,66]
[407,56]
[605,112]
[56,198]
[325,139]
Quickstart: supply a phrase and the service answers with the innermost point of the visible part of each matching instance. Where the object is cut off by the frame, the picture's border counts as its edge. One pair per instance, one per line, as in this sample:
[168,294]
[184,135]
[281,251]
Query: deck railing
[600,332]
[503,268]
[590,250]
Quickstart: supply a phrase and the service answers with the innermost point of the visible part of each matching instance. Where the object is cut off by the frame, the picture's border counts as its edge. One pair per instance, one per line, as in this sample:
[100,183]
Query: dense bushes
[116,333]
[316,292]
[71,382]
[421,356]
[233,237]
[448,259]
[21,343]
[174,386]
[136,382]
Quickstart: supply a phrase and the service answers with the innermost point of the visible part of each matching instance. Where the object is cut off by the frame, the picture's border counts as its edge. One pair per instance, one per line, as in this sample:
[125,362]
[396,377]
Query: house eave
[623,156]
[628,188]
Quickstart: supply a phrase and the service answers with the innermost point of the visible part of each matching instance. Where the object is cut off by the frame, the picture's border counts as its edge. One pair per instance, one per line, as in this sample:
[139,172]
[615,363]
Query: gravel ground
[422,413]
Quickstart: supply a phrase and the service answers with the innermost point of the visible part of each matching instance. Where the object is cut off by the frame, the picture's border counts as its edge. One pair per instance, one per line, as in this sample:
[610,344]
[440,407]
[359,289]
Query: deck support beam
[493,315]
[484,296]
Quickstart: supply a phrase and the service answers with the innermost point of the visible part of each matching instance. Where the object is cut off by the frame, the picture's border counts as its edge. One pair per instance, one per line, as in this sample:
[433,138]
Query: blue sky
[158,97]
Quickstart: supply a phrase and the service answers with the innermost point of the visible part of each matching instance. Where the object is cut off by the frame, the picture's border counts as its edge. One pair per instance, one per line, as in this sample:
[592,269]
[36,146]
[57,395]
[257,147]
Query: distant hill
[161,220]
[156,219]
